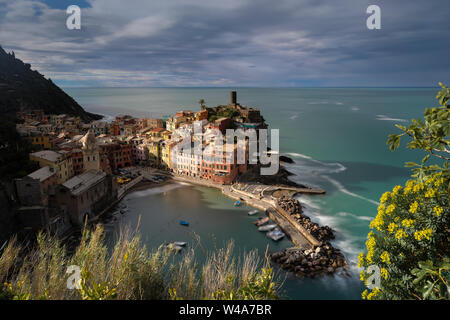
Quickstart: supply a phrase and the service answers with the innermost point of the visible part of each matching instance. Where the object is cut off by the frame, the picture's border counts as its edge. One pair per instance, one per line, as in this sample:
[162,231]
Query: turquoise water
[337,138]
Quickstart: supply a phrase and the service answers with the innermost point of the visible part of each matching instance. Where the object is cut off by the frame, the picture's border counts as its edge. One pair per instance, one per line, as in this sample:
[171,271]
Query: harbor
[215,220]
[262,198]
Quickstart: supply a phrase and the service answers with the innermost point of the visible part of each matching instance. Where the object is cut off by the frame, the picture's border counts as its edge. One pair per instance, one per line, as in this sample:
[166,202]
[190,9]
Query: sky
[231,43]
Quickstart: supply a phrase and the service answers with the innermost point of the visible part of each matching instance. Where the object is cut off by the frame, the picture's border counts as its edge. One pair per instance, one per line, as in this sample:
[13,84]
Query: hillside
[24,89]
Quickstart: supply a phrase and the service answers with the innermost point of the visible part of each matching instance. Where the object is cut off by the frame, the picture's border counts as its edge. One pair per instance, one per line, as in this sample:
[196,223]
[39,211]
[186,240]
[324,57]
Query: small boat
[261,221]
[174,247]
[180,243]
[184,223]
[250,213]
[258,220]
[268,227]
[275,234]
[237,203]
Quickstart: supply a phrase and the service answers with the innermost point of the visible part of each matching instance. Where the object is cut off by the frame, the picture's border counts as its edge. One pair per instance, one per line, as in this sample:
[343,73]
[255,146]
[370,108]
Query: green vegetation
[25,89]
[410,237]
[202,102]
[222,112]
[130,271]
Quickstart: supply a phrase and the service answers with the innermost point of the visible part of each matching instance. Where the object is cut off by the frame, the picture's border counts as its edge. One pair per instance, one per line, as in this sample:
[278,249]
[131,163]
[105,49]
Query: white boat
[180,243]
[174,247]
[275,234]
[250,213]
[268,227]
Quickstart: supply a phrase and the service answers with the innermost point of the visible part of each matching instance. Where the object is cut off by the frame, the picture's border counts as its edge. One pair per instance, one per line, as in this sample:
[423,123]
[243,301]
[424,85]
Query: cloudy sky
[266,43]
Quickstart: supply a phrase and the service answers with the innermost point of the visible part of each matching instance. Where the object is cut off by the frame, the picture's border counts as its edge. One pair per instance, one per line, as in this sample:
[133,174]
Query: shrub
[410,238]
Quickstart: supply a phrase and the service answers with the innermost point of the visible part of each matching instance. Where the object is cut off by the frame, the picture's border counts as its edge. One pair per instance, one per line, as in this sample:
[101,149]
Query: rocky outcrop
[253,174]
[286,159]
[294,208]
[318,260]
[321,259]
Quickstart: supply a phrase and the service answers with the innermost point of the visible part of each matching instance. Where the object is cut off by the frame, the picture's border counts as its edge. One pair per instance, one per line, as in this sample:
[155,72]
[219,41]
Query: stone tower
[233,98]
[91,155]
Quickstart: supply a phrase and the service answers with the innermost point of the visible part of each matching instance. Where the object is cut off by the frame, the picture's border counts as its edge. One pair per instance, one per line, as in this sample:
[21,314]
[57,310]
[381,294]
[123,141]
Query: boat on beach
[261,221]
[268,227]
[276,234]
[250,213]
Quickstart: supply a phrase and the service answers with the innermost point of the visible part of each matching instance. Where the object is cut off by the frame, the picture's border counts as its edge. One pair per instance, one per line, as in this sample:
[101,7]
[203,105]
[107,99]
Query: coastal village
[83,166]
[86,168]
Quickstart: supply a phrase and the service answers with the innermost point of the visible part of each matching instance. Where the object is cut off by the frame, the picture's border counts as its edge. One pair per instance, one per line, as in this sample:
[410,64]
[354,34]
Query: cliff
[24,89]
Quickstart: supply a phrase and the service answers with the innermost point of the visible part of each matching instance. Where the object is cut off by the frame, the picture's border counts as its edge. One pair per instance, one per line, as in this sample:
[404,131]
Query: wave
[310,168]
[309,203]
[347,214]
[154,191]
[293,117]
[318,102]
[386,118]
[355,109]
[338,166]
[299,155]
[341,188]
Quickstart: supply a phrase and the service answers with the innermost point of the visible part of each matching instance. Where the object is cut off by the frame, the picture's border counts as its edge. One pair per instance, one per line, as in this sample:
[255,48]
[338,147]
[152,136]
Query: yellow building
[166,135]
[157,132]
[154,151]
[42,140]
[166,150]
[61,162]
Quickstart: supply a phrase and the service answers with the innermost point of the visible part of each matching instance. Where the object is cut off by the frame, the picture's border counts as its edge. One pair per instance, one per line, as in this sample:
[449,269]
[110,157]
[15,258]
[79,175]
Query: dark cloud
[232,43]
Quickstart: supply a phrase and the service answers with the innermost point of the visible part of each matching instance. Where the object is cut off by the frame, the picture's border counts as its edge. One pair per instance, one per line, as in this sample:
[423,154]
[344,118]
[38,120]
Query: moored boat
[262,221]
[250,213]
[268,227]
[180,243]
[237,203]
[275,234]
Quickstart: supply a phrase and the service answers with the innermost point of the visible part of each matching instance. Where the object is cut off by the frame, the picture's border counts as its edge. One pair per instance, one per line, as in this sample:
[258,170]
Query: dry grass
[130,271]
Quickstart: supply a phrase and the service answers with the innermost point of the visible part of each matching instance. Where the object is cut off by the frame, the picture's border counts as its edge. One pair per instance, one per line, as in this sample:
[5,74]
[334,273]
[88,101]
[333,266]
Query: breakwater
[312,253]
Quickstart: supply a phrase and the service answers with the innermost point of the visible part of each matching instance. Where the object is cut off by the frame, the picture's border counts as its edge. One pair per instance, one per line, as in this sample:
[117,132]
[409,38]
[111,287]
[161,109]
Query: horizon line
[251,87]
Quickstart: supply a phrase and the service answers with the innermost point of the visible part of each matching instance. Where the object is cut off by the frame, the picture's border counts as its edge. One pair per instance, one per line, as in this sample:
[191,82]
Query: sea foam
[341,188]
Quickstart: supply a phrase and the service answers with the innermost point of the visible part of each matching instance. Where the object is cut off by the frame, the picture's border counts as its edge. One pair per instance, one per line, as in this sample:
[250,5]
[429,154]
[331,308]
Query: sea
[337,139]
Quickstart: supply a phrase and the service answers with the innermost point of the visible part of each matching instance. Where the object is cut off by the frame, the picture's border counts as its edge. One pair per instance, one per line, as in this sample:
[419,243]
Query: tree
[410,236]
[202,102]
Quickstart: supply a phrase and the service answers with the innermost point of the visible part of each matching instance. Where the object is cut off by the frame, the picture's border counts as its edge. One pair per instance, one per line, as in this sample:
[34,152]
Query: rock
[286,159]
